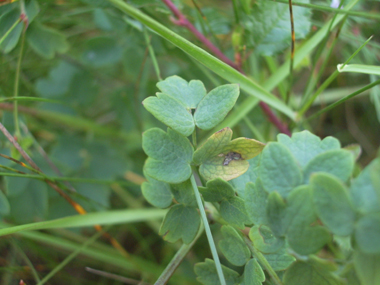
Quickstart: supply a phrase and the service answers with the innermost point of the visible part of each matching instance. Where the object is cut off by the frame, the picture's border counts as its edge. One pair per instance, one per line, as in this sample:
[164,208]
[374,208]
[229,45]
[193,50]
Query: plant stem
[152,55]
[263,261]
[208,231]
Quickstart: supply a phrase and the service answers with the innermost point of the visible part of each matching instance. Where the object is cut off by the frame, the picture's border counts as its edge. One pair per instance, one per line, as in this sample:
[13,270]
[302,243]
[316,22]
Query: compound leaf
[216,190]
[207,275]
[233,211]
[233,246]
[157,192]
[253,273]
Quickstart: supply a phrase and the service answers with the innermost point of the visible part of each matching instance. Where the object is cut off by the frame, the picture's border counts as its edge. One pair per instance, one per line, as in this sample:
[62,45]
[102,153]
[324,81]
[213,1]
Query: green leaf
[215,105]
[300,214]
[221,157]
[367,267]
[58,81]
[263,239]
[31,205]
[207,275]
[253,273]
[170,155]
[375,178]
[233,211]
[6,22]
[157,192]
[276,210]
[216,190]
[4,205]
[364,194]
[102,51]
[359,68]
[181,222]
[311,272]
[171,113]
[250,175]
[45,41]
[333,204]
[280,260]
[233,246]
[189,94]
[269,26]
[279,171]
[367,233]
[256,202]
[339,163]
[305,146]
[184,193]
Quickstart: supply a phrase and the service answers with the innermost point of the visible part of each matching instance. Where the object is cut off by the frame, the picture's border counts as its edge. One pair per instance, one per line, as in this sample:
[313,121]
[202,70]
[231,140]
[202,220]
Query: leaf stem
[263,262]
[208,232]
[152,55]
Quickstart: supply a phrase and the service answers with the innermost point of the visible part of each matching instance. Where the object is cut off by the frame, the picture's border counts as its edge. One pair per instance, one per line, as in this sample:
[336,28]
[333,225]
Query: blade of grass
[91,219]
[327,82]
[22,98]
[359,68]
[377,82]
[223,70]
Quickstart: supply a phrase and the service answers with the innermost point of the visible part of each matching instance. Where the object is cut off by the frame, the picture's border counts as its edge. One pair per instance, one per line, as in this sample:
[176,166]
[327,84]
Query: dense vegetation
[131,128]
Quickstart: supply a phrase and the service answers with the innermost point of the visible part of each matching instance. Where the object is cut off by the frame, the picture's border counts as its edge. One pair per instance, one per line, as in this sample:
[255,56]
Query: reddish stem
[181,20]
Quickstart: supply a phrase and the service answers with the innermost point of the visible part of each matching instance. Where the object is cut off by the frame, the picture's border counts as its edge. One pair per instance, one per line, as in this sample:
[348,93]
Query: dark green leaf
[233,211]
[233,246]
[170,155]
[311,272]
[184,193]
[367,267]
[189,94]
[45,41]
[279,171]
[180,222]
[240,182]
[276,210]
[216,190]
[280,260]
[157,193]
[339,163]
[4,205]
[256,202]
[102,51]
[305,146]
[6,22]
[263,239]
[215,105]
[333,204]
[367,233]
[253,273]
[207,275]
[269,25]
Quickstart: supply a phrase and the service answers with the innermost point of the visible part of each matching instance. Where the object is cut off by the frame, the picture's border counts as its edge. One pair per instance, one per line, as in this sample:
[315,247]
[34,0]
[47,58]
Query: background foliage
[89,67]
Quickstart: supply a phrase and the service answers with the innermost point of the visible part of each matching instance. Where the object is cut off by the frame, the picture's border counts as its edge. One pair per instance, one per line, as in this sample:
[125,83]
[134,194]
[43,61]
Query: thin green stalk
[208,232]
[194,138]
[264,262]
[71,256]
[254,130]
[16,85]
[26,259]
[343,100]
[333,10]
[327,82]
[272,65]
[177,259]
[152,55]
[10,30]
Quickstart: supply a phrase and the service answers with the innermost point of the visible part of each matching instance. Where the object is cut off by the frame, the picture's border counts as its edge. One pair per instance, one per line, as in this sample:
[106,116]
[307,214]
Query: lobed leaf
[233,211]
[216,190]
[256,202]
[181,222]
[233,246]
[170,155]
[157,192]
[264,240]
[207,275]
[333,204]
[253,273]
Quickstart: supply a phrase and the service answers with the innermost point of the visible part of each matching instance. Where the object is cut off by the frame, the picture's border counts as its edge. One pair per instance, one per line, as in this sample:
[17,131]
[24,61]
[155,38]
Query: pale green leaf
[367,267]
[171,113]
[189,94]
[215,105]
[367,233]
[359,68]
[253,273]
